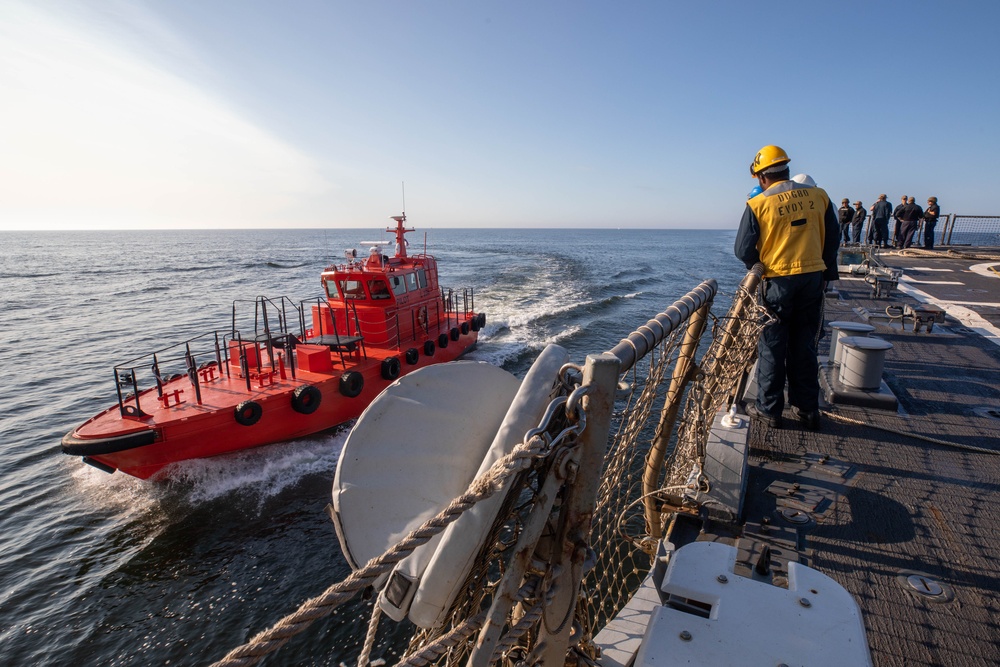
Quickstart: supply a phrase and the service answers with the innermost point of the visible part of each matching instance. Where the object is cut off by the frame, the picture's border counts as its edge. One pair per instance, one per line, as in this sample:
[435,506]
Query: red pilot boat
[381,317]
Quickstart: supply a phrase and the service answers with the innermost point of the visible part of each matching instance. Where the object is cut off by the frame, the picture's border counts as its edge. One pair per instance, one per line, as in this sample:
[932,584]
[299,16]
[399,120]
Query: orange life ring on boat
[422,317]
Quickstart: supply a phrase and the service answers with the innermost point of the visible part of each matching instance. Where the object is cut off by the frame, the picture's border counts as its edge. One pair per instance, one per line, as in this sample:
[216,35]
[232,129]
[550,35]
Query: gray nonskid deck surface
[913,506]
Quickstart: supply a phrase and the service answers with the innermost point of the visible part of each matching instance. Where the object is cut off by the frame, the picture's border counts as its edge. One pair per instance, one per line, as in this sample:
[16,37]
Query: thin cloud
[93,134]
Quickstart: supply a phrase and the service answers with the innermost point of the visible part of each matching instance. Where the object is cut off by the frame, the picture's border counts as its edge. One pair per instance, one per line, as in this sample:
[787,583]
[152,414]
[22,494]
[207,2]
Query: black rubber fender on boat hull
[390,368]
[306,399]
[248,413]
[96,446]
[351,384]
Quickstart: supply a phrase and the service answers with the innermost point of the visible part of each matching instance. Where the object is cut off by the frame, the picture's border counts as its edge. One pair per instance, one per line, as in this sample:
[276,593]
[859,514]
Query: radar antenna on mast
[400,230]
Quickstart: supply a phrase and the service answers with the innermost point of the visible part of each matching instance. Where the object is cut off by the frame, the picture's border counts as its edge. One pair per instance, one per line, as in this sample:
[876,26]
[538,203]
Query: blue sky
[194,114]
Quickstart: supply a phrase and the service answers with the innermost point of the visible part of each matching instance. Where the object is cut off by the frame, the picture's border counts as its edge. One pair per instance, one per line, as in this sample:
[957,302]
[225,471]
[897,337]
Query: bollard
[862,361]
[842,329]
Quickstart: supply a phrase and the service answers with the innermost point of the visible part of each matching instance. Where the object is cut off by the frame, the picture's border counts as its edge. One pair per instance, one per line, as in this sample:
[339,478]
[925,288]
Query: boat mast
[400,232]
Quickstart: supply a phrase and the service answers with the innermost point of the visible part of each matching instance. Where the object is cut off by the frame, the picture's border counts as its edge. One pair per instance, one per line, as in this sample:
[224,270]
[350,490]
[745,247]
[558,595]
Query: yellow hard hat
[768,156]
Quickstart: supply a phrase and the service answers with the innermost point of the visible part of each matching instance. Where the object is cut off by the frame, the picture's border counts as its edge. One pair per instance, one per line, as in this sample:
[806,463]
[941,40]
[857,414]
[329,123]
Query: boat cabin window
[421,278]
[378,289]
[331,289]
[411,279]
[398,284]
[352,289]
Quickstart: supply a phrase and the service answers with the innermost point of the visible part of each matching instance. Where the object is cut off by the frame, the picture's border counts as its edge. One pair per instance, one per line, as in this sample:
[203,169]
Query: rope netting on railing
[629,516]
[971,230]
[582,511]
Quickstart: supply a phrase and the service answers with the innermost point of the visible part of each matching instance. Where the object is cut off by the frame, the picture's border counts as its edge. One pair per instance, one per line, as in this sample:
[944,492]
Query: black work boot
[809,418]
[773,421]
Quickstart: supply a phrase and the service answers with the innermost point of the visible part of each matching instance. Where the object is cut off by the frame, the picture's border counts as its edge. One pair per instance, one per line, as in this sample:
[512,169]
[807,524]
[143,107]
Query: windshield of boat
[378,289]
[352,289]
[331,289]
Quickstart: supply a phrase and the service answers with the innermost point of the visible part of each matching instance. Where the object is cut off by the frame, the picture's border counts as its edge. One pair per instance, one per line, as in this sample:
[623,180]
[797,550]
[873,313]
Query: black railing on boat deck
[157,369]
[266,310]
[350,311]
[449,301]
[163,366]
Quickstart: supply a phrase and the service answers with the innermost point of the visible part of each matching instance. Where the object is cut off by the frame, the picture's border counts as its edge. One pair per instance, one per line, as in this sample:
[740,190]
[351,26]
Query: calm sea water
[100,569]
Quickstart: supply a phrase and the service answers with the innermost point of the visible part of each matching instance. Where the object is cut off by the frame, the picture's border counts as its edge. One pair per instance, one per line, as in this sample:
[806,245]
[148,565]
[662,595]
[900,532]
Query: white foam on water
[128,495]
[264,471]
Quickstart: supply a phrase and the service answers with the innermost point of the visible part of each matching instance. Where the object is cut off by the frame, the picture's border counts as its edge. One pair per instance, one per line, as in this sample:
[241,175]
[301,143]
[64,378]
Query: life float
[429,348]
[306,399]
[351,383]
[248,413]
[412,355]
[422,317]
[390,368]
[455,335]
[382,490]
[424,585]
[443,341]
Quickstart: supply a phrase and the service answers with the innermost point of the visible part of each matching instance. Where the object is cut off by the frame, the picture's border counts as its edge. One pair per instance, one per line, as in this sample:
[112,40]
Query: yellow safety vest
[792,229]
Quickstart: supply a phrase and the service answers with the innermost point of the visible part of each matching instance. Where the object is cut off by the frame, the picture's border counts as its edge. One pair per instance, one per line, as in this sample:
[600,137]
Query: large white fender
[413,450]
[460,542]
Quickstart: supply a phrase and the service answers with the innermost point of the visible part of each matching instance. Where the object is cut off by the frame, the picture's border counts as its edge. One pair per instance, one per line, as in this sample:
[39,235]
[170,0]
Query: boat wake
[260,473]
[124,495]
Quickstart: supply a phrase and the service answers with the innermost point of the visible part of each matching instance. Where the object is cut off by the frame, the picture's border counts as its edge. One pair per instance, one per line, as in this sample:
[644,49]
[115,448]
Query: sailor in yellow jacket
[792,229]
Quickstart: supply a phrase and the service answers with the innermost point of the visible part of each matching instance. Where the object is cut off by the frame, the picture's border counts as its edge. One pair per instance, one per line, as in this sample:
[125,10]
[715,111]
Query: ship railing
[457,305]
[154,370]
[272,322]
[954,229]
[970,230]
[576,535]
[353,330]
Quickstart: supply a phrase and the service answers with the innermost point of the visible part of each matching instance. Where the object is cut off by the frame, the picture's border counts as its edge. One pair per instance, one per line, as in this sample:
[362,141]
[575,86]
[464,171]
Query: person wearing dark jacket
[881,211]
[845,214]
[897,239]
[931,216]
[792,230]
[909,216]
[858,222]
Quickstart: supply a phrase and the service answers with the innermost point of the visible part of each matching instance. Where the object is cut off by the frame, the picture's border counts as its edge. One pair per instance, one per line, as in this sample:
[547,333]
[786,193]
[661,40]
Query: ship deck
[900,506]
